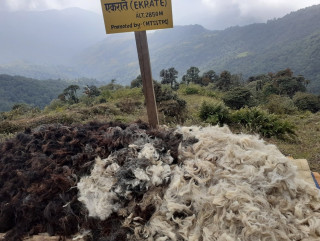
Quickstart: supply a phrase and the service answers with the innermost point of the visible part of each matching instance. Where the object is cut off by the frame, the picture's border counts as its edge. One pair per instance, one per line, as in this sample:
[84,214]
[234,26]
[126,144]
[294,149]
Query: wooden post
[145,68]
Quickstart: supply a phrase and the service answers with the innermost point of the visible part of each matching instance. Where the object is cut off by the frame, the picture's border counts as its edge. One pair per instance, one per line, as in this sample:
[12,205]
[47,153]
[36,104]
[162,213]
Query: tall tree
[137,82]
[224,82]
[91,90]
[69,94]
[237,98]
[284,73]
[302,80]
[192,76]
[169,76]
[209,77]
[288,84]
[307,101]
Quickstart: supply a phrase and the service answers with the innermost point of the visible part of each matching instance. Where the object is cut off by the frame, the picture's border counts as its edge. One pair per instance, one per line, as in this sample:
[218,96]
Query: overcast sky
[212,14]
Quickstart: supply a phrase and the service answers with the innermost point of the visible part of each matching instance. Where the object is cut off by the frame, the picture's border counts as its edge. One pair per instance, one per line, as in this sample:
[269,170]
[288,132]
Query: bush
[307,101]
[173,110]
[260,121]
[191,90]
[102,100]
[169,104]
[19,110]
[238,98]
[55,105]
[91,91]
[7,127]
[214,113]
[135,93]
[99,109]
[104,95]
[137,82]
[87,101]
[163,93]
[128,105]
[280,105]
[269,89]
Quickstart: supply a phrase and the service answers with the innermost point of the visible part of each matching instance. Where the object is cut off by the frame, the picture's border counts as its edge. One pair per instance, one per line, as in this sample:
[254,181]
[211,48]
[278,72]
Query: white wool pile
[227,187]
[235,187]
[95,190]
[101,190]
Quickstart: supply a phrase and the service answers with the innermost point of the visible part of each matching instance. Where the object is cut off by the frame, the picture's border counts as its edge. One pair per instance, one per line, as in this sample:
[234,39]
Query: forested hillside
[37,93]
[84,50]
[289,42]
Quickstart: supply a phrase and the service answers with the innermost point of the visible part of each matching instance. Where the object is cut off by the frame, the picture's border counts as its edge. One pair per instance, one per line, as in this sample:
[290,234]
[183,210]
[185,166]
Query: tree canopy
[69,94]
[169,76]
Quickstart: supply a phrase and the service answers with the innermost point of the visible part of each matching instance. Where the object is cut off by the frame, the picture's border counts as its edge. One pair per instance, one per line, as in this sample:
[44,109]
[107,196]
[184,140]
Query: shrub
[191,90]
[66,119]
[163,93]
[69,94]
[290,86]
[280,105]
[19,110]
[169,104]
[87,101]
[105,95]
[7,127]
[238,98]
[307,101]
[173,110]
[137,82]
[211,94]
[128,105]
[55,105]
[260,121]
[61,118]
[135,93]
[214,113]
[269,89]
[91,91]
[102,100]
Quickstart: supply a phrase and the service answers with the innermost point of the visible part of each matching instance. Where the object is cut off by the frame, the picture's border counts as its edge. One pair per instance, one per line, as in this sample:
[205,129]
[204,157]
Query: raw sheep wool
[40,170]
[224,187]
[118,182]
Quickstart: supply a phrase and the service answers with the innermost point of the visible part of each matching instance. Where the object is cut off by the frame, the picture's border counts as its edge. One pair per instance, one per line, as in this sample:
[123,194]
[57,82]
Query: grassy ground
[307,144]
[127,106]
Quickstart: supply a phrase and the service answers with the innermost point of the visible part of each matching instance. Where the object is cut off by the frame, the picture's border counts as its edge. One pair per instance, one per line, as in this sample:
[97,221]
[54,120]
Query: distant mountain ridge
[38,93]
[289,42]
[292,41]
[47,37]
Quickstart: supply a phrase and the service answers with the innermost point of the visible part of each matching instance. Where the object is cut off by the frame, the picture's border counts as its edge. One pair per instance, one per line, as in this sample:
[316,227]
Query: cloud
[246,11]
[212,14]
[16,5]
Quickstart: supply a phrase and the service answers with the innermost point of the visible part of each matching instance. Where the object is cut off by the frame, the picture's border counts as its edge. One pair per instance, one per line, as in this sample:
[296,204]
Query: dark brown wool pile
[39,171]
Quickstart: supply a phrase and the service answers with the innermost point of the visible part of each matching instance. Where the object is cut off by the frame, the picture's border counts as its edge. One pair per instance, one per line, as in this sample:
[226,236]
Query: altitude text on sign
[132,15]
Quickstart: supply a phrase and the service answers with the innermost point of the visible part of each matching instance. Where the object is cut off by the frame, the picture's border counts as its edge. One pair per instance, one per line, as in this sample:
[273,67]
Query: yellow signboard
[136,15]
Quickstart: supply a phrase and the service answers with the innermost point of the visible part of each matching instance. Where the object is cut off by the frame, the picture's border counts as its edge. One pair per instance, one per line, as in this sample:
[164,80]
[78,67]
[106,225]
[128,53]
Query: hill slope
[72,43]
[17,89]
[292,41]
